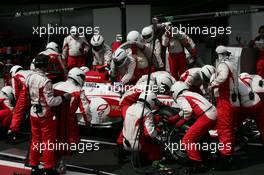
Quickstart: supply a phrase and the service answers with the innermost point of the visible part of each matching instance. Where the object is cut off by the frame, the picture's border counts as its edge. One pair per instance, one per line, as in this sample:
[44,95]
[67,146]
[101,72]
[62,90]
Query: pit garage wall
[245,26]
[22,27]
[109,20]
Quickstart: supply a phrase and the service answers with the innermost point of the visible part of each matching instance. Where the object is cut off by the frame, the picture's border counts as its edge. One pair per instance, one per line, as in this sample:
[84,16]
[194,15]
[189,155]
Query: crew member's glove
[66,97]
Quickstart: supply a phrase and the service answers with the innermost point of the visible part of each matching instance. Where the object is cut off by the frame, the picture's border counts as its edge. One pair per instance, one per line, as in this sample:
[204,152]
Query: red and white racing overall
[22,104]
[125,72]
[251,106]
[43,121]
[6,110]
[193,79]
[225,87]
[129,98]
[157,51]
[256,83]
[193,105]
[78,100]
[137,64]
[75,50]
[131,125]
[56,68]
[176,45]
[102,57]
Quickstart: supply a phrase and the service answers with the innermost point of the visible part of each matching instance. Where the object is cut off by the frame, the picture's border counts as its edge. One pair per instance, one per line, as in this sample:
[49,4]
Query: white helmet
[53,46]
[133,36]
[151,98]
[177,88]
[85,69]
[206,72]
[147,34]
[222,52]
[78,75]
[97,40]
[119,57]
[243,75]
[164,83]
[8,91]
[15,69]
[221,49]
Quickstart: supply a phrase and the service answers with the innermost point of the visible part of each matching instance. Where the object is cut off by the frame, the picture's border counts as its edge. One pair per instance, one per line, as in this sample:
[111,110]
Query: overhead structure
[208,15]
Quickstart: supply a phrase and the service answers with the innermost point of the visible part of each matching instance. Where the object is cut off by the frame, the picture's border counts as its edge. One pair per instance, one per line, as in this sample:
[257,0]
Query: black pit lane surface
[248,161]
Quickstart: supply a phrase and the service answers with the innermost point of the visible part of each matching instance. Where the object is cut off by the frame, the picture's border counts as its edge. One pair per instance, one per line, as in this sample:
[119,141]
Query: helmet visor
[205,78]
[147,36]
[97,48]
[120,62]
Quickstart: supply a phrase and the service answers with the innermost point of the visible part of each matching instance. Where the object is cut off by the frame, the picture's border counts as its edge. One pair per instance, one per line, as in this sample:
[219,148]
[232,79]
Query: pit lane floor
[249,161]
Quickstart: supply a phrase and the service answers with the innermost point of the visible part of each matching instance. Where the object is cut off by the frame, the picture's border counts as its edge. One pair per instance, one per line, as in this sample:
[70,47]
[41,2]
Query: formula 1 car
[104,99]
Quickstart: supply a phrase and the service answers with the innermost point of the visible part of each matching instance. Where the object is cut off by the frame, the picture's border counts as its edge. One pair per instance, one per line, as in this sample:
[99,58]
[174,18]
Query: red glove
[173,119]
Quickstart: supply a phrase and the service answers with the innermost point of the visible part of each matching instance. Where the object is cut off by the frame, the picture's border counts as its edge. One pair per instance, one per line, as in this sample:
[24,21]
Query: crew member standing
[19,77]
[225,88]
[102,54]
[43,121]
[56,68]
[74,84]
[176,43]
[148,39]
[75,49]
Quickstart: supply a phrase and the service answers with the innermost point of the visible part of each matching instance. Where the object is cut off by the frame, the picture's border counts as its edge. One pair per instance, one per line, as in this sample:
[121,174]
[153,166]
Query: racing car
[104,98]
